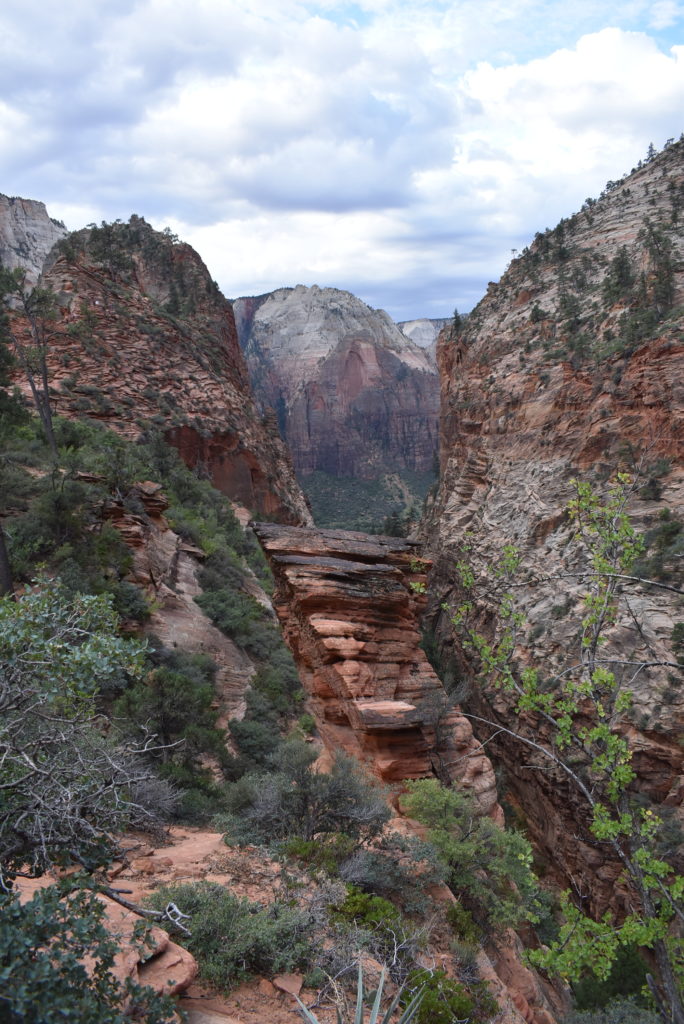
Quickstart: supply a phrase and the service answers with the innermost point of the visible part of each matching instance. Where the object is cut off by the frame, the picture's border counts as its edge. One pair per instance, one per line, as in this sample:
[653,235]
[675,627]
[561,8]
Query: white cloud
[399,149]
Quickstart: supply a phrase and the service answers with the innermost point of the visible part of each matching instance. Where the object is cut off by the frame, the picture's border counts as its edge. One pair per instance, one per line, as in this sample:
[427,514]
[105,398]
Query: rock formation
[354,396]
[348,604]
[423,332]
[572,366]
[144,339]
[27,234]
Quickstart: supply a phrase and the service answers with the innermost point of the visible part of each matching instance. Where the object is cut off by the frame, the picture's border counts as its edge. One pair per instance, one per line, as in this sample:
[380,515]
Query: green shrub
[43,945]
[400,868]
[619,1011]
[487,866]
[325,853]
[293,800]
[461,923]
[445,1000]
[372,912]
[233,938]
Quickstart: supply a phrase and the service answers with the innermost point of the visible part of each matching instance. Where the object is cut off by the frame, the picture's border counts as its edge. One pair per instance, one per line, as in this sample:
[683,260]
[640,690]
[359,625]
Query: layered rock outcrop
[348,603]
[144,340]
[27,234]
[354,397]
[573,366]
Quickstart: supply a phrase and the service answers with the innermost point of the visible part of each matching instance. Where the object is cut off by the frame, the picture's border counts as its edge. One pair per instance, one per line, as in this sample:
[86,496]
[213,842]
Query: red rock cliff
[572,366]
[349,613]
[144,338]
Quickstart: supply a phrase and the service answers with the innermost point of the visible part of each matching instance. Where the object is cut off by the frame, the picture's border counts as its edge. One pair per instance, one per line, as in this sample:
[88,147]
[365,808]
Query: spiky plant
[407,1016]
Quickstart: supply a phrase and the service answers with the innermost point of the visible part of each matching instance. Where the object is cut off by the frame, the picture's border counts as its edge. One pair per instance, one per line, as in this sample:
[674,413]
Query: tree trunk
[6,582]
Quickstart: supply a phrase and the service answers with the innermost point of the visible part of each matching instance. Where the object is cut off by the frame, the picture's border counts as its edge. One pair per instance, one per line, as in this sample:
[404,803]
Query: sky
[399,149]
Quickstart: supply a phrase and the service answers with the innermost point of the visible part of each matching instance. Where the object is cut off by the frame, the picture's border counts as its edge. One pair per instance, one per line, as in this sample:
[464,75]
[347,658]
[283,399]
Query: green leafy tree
[583,708]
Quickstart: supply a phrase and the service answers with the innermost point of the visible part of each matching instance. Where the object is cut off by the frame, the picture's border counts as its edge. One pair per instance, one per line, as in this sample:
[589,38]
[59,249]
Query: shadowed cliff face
[143,338]
[353,395]
[349,615]
[572,366]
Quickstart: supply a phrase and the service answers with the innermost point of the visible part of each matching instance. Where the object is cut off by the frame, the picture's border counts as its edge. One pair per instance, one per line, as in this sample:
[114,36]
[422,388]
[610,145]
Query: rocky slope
[354,396]
[27,234]
[144,339]
[573,366]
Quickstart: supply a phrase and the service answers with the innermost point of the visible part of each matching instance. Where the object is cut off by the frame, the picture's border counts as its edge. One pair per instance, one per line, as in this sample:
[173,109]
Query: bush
[366,910]
[489,867]
[445,1000]
[43,945]
[293,800]
[400,868]
[234,938]
[619,1011]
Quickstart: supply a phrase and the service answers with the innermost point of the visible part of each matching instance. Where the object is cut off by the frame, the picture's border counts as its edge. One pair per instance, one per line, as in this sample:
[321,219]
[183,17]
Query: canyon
[571,367]
[549,379]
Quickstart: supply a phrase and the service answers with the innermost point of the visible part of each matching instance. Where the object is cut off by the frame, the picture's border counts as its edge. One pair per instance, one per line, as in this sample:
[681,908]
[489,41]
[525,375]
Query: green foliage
[400,868]
[461,923]
[43,978]
[293,800]
[233,939]
[583,710]
[663,546]
[366,910]
[326,853]
[627,977]
[620,278]
[618,1011]
[65,786]
[489,867]
[445,1000]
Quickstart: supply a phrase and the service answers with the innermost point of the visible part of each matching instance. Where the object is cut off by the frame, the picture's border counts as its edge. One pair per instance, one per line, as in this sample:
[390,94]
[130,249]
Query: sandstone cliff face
[353,395]
[349,614]
[27,234]
[349,605]
[144,338]
[572,366]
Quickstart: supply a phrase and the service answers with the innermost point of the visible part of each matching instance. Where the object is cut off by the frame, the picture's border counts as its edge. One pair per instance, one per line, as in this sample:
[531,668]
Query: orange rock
[291,983]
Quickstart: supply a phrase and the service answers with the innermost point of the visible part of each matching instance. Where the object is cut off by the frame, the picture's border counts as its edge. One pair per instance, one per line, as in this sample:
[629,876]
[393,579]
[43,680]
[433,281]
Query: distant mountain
[354,396]
[27,234]
[423,332]
[145,339]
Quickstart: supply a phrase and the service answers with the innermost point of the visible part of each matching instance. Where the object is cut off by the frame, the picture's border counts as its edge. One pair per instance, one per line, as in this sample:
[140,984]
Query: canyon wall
[144,340]
[572,366]
[27,234]
[354,397]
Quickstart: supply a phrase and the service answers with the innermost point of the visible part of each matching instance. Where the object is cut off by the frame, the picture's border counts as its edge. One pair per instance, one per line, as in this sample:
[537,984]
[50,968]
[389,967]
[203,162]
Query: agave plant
[407,1016]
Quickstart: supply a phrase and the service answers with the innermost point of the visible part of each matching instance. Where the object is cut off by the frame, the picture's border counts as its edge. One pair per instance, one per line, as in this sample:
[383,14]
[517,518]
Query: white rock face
[293,328]
[423,332]
[354,397]
[27,234]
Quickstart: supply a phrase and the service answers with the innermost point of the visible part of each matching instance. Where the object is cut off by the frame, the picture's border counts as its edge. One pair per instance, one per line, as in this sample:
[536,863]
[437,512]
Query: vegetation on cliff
[574,723]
